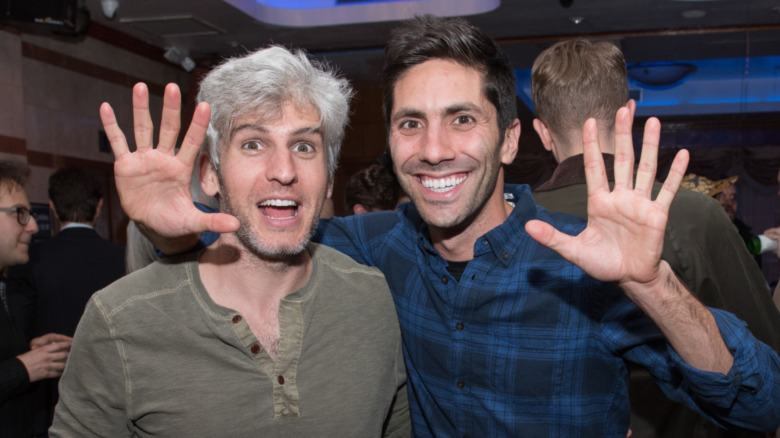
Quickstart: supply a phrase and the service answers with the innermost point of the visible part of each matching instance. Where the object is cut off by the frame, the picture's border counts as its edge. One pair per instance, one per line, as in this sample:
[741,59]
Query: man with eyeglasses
[44,357]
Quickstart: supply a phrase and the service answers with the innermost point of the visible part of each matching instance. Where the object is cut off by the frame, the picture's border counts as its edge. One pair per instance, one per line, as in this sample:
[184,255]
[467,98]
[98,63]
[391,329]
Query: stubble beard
[263,250]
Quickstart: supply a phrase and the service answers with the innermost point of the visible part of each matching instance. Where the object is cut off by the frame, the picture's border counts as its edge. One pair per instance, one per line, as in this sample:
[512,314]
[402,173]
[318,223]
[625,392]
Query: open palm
[624,237]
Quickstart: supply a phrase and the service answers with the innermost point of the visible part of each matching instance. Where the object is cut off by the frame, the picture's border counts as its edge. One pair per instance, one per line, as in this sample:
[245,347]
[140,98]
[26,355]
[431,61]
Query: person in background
[21,363]
[373,188]
[51,290]
[576,79]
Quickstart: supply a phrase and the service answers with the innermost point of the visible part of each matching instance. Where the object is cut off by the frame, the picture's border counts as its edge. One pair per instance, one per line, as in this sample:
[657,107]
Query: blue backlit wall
[718,86]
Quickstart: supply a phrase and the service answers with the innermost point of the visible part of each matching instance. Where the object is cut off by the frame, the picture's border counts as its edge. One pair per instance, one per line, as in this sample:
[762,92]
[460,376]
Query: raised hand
[624,237]
[154,182]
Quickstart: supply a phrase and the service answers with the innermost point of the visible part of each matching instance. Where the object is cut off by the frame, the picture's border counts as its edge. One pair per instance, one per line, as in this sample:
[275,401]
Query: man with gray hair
[247,337]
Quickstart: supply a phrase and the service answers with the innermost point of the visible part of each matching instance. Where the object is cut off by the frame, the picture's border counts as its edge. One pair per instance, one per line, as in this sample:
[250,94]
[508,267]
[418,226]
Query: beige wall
[51,92]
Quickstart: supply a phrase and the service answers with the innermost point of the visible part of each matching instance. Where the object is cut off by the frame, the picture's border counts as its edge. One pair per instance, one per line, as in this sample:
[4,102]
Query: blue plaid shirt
[526,344]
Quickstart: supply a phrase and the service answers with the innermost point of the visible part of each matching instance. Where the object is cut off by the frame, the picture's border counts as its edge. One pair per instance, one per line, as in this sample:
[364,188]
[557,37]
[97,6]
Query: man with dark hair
[373,188]
[20,363]
[51,291]
[502,335]
[574,80]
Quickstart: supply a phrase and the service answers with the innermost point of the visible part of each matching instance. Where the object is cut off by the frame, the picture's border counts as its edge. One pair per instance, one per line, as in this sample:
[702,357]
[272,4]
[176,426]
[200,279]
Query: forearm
[688,325]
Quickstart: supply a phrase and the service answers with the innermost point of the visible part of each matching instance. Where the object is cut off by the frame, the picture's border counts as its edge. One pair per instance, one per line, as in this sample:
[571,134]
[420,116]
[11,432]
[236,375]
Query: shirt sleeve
[93,390]
[361,236]
[398,423]
[748,396]
[14,379]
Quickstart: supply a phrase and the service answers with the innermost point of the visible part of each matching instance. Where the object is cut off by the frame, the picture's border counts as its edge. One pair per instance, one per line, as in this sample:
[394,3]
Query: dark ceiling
[646,30]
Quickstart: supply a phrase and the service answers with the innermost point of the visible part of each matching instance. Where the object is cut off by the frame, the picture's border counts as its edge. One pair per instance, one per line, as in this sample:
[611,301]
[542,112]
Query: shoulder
[334,260]
[167,275]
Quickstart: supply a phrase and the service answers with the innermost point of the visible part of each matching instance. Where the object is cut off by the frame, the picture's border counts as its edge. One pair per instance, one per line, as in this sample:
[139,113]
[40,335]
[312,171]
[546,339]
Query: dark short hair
[427,37]
[13,174]
[75,194]
[374,187]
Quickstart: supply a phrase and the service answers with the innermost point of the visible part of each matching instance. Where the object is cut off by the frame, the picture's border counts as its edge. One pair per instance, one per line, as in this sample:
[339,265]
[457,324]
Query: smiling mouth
[279,208]
[442,185]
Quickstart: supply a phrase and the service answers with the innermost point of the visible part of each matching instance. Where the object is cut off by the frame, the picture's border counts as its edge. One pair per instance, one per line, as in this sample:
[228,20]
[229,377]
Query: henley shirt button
[459,325]
[445,280]
[254,348]
[505,256]
[236,319]
[460,384]
[280,379]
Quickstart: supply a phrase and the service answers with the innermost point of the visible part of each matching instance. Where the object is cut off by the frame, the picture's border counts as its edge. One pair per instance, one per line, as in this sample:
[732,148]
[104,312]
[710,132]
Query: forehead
[288,119]
[438,83]
[12,194]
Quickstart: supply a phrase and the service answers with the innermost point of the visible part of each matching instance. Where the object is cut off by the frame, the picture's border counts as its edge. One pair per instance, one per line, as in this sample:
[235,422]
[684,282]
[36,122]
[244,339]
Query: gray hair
[261,82]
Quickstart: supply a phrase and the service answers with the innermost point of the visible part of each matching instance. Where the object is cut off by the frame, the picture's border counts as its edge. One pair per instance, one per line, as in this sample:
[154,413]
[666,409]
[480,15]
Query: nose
[282,167]
[436,146]
[32,226]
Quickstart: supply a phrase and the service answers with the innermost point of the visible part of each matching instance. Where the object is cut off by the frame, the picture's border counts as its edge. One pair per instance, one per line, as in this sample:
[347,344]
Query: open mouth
[279,208]
[442,185]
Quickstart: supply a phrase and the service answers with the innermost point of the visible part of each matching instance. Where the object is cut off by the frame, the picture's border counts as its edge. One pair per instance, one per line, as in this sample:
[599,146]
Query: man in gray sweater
[249,336]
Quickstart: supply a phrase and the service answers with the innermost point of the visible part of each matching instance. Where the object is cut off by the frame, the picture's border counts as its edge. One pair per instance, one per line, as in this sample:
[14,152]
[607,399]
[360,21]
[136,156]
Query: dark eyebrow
[461,107]
[407,112]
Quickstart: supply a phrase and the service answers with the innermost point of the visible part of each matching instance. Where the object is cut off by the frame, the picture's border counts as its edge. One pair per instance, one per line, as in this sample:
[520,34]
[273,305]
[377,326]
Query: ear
[329,193]
[510,144]
[359,209]
[53,210]
[544,134]
[208,176]
[97,210]
[631,105]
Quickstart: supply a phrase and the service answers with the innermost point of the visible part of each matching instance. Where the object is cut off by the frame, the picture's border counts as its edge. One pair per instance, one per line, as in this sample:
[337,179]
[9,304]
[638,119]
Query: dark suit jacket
[49,293]
[15,407]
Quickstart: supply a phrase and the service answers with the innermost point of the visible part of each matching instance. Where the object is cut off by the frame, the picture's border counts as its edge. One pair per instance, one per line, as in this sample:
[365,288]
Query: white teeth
[442,185]
[279,203]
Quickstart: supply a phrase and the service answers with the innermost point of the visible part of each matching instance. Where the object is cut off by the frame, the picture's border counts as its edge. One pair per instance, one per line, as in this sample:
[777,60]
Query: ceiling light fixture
[661,73]
[178,56]
[109,7]
[694,13]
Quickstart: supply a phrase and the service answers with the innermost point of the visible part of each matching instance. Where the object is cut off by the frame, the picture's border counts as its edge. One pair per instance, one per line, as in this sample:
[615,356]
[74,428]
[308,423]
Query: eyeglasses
[23,214]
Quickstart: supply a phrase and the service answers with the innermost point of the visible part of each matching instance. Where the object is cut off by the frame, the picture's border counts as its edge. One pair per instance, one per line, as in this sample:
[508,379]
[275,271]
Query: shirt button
[236,319]
[445,280]
[459,325]
[460,384]
[505,256]
[254,348]
[280,379]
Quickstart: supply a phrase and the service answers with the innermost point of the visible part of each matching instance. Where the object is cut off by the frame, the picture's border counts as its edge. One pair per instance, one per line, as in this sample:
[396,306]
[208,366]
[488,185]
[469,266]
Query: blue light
[718,86]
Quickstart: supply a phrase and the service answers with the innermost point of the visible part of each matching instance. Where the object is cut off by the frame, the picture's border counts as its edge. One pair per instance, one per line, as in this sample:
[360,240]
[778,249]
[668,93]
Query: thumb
[548,236]
[218,222]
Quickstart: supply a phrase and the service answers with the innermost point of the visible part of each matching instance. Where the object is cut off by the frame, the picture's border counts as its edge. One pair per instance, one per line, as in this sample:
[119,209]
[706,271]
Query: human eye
[409,126]
[303,147]
[252,145]
[463,119]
